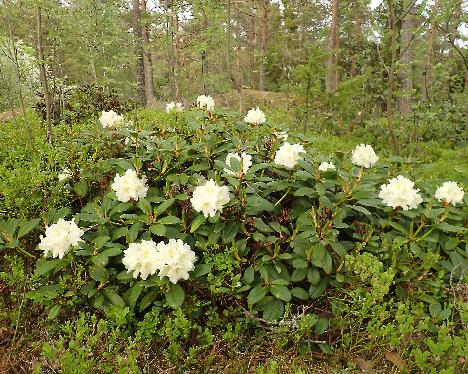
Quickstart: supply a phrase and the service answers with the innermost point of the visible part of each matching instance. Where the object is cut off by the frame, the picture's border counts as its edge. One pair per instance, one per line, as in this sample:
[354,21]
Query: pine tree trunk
[332,79]
[252,48]
[430,55]
[140,69]
[357,38]
[42,69]
[406,60]
[391,75]
[263,45]
[147,63]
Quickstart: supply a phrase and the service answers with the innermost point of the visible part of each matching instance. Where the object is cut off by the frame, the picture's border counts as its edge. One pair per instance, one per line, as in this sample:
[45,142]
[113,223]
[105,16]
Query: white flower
[205,102]
[209,198]
[175,260]
[400,192]
[173,106]
[110,119]
[324,166]
[289,154]
[283,135]
[364,155]
[255,116]
[244,159]
[64,175]
[141,259]
[129,186]
[450,192]
[59,237]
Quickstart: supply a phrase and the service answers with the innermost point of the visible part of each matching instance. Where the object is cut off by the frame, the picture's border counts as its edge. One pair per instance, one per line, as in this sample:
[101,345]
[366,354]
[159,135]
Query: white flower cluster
[209,198]
[450,193]
[244,159]
[324,166]
[289,154]
[64,175]
[110,119]
[255,116]
[173,260]
[400,192]
[129,186]
[141,258]
[174,107]
[205,102]
[364,156]
[60,237]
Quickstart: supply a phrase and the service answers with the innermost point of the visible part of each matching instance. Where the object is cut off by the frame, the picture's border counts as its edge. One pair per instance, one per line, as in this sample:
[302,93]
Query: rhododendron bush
[222,210]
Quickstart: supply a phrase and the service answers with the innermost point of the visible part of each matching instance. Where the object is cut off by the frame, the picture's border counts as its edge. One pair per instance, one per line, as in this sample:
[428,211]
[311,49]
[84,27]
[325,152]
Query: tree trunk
[391,75]
[263,45]
[430,54]
[147,63]
[228,40]
[252,47]
[357,38]
[140,69]
[406,60]
[42,69]
[332,79]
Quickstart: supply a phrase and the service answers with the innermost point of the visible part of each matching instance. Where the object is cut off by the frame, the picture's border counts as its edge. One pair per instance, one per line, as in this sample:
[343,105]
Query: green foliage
[287,243]
[77,104]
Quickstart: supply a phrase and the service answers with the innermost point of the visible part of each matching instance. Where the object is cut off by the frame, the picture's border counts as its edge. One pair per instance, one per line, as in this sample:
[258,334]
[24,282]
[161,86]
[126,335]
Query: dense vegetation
[233,186]
[312,257]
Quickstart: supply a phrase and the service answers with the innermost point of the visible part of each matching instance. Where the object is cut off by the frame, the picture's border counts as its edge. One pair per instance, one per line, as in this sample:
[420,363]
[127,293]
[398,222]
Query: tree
[430,53]
[45,84]
[140,69]
[263,44]
[332,79]
[147,62]
[406,61]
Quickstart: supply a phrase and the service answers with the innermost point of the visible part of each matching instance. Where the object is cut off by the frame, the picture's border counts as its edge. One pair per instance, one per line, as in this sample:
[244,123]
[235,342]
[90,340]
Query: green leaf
[444,226]
[27,226]
[230,232]
[100,259]
[145,206]
[197,222]
[43,266]
[316,291]
[113,298]
[257,204]
[148,299]
[256,294]
[99,273]
[249,275]
[299,274]
[281,292]
[318,255]
[300,293]
[54,312]
[81,188]
[164,206]
[158,229]
[175,296]
[200,270]
[313,276]
[305,191]
[132,294]
[169,220]
[273,310]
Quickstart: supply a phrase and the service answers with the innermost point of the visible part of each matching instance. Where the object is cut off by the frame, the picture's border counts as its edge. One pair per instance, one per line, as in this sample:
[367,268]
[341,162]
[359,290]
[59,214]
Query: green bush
[279,243]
